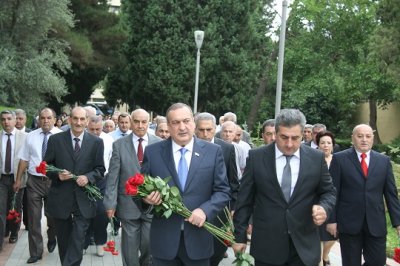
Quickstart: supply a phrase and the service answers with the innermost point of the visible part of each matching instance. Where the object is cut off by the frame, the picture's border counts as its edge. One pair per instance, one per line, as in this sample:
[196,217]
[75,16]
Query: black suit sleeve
[233,177]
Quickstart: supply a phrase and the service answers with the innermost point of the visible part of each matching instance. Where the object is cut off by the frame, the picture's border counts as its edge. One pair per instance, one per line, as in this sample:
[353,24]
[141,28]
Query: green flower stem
[92,191]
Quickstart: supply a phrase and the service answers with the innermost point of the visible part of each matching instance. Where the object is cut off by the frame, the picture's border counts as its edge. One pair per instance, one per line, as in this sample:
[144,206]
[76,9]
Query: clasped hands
[81,180]
[198,217]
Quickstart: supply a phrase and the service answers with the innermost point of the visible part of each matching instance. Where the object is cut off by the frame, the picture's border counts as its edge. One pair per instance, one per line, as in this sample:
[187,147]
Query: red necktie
[140,152]
[364,165]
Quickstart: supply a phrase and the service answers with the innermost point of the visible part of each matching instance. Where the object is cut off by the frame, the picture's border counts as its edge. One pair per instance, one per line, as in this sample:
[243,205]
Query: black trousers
[373,248]
[71,237]
[293,258]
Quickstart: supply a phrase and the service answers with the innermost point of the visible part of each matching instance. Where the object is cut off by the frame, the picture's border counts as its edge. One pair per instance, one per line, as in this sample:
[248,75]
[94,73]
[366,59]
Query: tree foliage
[94,44]
[31,56]
[161,54]
[328,65]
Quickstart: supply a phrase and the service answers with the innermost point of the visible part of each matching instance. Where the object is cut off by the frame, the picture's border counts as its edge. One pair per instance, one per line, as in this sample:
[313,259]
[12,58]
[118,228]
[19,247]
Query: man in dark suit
[362,178]
[205,129]
[79,153]
[197,168]
[288,189]
[125,162]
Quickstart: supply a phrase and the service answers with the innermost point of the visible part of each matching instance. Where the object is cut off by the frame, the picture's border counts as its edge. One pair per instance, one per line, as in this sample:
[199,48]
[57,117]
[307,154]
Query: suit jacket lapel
[272,178]
[353,157]
[68,144]
[130,150]
[305,161]
[197,157]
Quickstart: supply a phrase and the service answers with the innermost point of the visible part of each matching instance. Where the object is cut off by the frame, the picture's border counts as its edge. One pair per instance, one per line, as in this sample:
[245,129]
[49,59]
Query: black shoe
[6,233]
[51,245]
[33,259]
[13,238]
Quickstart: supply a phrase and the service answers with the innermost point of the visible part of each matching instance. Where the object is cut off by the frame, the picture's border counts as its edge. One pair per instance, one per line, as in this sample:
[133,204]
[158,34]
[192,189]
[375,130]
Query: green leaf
[167,213]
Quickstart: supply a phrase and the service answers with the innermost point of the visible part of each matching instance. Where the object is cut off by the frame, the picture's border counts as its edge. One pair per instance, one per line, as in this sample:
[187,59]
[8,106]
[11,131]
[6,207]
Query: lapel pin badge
[196,154]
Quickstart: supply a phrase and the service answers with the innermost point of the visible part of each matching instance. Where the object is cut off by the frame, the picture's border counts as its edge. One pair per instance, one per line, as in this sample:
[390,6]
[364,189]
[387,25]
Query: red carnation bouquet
[13,215]
[396,255]
[142,185]
[110,245]
[92,191]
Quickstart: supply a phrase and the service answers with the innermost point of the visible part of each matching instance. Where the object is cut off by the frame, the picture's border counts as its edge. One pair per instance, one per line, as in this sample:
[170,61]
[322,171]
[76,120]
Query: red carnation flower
[131,190]
[137,179]
[41,169]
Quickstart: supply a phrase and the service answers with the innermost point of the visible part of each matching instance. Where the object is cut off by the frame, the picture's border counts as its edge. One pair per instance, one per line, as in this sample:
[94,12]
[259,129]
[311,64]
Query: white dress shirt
[280,161]
[108,142]
[32,149]
[177,153]
[367,159]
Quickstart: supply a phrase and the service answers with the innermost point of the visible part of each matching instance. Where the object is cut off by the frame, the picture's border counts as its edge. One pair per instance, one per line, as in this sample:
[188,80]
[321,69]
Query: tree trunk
[260,92]
[373,117]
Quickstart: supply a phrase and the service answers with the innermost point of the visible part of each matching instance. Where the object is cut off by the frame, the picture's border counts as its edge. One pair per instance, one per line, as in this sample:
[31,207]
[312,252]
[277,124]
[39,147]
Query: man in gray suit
[125,162]
[11,141]
[288,189]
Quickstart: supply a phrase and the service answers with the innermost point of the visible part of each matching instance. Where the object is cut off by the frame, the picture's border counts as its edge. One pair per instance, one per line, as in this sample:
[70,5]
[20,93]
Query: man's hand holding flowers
[197,218]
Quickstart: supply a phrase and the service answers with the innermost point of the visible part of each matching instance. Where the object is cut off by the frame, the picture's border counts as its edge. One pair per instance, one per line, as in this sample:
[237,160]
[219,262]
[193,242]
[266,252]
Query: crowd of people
[293,197]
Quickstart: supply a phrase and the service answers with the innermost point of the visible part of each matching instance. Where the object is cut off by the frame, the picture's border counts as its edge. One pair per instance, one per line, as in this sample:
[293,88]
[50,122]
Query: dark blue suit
[206,188]
[360,209]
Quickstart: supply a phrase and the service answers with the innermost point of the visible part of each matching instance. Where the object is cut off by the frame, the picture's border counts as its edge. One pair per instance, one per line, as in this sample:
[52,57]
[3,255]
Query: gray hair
[20,112]
[176,106]
[319,126]
[290,118]
[95,119]
[229,116]
[8,112]
[308,126]
[205,116]
[268,123]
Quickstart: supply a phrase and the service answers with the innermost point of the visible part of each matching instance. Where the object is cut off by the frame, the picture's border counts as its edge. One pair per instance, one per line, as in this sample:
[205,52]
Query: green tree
[32,58]
[94,45]
[161,54]
[328,67]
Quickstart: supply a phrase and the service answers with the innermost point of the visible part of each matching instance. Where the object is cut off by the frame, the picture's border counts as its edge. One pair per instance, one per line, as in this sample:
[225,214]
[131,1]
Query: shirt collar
[359,153]
[176,147]
[12,132]
[80,137]
[279,154]
[136,138]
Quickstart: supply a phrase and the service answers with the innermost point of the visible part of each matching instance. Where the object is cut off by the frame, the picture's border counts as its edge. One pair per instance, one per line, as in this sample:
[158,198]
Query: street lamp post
[280,59]
[198,37]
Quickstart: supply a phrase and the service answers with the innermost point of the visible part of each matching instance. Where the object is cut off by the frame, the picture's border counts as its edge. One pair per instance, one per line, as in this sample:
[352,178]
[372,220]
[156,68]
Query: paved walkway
[17,255]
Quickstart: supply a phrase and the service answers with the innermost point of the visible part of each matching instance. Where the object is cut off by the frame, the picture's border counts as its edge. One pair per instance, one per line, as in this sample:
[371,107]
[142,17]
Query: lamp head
[198,37]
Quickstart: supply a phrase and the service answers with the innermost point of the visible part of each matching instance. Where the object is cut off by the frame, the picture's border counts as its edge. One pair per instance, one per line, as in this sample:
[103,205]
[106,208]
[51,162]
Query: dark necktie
[44,143]
[7,166]
[77,147]
[123,134]
[364,165]
[183,168]
[286,184]
[140,151]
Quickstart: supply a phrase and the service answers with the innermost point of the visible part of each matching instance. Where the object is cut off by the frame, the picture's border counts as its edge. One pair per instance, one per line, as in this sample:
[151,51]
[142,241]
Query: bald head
[140,122]
[362,138]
